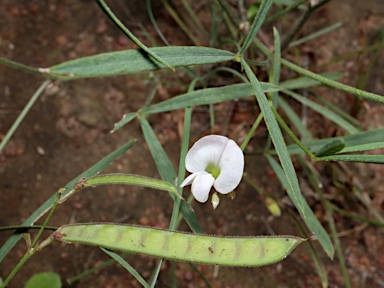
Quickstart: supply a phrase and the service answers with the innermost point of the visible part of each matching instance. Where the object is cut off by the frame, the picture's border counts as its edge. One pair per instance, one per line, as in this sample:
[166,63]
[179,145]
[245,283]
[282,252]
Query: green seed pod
[228,251]
[331,148]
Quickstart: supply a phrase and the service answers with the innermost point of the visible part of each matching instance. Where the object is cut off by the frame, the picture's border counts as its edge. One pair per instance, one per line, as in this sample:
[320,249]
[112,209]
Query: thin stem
[20,66]
[284,11]
[119,24]
[289,36]
[257,22]
[333,84]
[23,113]
[336,242]
[232,16]
[180,22]
[22,261]
[154,23]
[252,131]
[58,194]
[26,228]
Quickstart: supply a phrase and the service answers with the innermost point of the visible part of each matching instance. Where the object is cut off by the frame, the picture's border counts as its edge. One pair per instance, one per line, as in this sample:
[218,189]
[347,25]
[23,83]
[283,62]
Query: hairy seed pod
[219,250]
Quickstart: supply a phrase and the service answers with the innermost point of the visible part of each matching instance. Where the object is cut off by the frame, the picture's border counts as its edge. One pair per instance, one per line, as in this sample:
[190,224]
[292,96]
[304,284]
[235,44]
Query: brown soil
[67,131]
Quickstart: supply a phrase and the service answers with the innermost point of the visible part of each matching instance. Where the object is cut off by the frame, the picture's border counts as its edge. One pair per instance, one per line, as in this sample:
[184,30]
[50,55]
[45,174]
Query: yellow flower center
[213,169]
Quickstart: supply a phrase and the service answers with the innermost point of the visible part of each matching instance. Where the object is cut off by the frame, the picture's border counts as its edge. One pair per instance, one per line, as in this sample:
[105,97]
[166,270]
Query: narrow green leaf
[363,147]
[126,119]
[48,204]
[310,219]
[323,111]
[295,120]
[306,82]
[337,110]
[331,148]
[93,270]
[334,84]
[216,250]
[292,135]
[274,75]
[163,164]
[119,24]
[316,34]
[373,137]
[199,97]
[166,171]
[126,266]
[375,159]
[208,96]
[135,60]
[256,24]
[277,138]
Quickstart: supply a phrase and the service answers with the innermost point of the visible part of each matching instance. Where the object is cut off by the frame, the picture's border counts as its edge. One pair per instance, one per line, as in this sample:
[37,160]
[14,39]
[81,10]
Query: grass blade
[310,219]
[167,172]
[373,137]
[126,266]
[333,84]
[110,14]
[315,35]
[277,139]
[306,82]
[295,120]
[23,113]
[375,159]
[257,22]
[135,60]
[323,111]
[208,96]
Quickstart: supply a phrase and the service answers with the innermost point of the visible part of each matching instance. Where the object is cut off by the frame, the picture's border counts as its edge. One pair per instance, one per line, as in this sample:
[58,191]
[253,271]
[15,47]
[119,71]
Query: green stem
[22,261]
[321,79]
[257,22]
[20,66]
[180,22]
[284,11]
[23,113]
[333,84]
[300,23]
[293,136]
[58,194]
[356,216]
[336,242]
[22,228]
[252,131]
[119,24]
[32,247]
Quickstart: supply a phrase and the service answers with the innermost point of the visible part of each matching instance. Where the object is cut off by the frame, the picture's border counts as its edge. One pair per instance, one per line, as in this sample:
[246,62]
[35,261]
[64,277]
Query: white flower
[213,161]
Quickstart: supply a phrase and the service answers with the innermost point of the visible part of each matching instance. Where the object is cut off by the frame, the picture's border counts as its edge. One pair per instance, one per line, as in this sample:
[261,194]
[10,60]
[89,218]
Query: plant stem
[21,117]
[333,84]
[26,256]
[289,36]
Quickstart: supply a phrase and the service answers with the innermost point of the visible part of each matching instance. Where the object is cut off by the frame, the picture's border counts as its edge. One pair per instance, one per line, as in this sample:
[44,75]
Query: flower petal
[202,185]
[207,150]
[231,168]
[188,180]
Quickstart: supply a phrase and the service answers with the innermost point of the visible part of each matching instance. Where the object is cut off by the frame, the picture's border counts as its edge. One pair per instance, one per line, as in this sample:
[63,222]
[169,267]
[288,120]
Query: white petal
[205,151]
[188,180]
[201,186]
[231,168]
